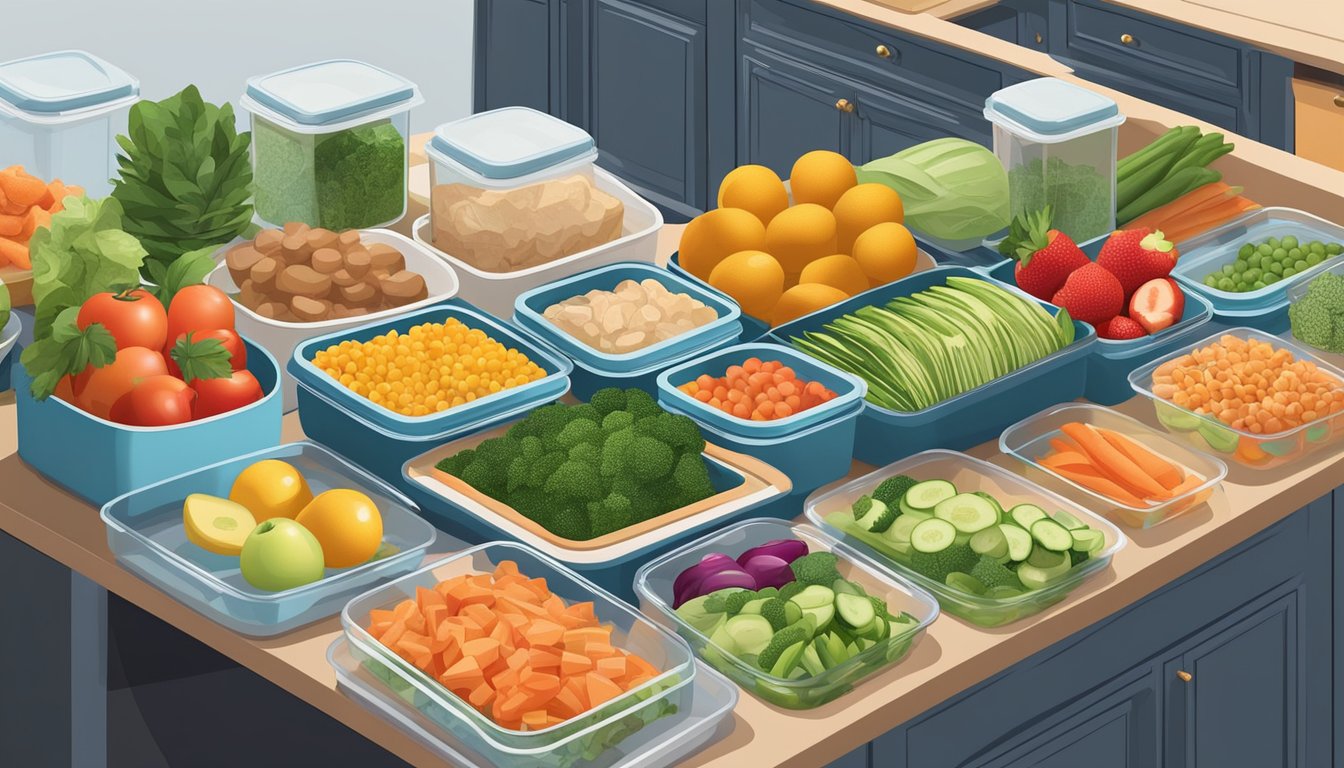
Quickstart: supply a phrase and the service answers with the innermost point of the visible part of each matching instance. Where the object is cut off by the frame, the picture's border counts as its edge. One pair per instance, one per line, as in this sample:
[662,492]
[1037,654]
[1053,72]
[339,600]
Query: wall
[217,45]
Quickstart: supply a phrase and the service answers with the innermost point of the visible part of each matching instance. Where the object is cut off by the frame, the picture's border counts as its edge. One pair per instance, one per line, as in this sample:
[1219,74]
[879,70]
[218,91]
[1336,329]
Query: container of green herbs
[329,144]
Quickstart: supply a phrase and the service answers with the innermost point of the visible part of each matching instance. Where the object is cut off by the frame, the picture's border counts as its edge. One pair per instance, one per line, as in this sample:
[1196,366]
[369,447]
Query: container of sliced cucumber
[991,546]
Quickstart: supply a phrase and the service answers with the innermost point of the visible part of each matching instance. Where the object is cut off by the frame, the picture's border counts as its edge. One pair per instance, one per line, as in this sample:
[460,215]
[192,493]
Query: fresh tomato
[199,308]
[157,401]
[230,340]
[98,389]
[134,318]
[215,396]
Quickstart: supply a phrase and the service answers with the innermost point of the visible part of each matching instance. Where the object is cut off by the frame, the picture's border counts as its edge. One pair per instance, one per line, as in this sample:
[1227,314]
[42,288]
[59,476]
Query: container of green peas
[1245,267]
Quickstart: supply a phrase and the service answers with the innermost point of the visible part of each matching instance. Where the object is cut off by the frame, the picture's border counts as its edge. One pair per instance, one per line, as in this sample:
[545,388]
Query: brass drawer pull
[1184,676]
[1126,39]
[883,52]
[1339,100]
[844,105]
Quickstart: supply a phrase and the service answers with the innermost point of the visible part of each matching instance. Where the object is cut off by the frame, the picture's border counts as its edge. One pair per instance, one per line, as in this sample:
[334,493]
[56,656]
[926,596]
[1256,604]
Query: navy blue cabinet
[787,108]
[518,54]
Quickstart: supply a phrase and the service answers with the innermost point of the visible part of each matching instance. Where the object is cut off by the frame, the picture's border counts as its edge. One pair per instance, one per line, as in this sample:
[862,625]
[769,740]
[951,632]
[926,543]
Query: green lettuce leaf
[952,189]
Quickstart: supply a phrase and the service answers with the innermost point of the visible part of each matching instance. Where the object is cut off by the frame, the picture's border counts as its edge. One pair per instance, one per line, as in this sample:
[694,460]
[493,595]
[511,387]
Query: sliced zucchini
[932,535]
[1044,558]
[1088,540]
[991,541]
[1068,521]
[1019,542]
[1051,535]
[1026,514]
[927,494]
[909,511]
[899,532]
[968,512]
[965,582]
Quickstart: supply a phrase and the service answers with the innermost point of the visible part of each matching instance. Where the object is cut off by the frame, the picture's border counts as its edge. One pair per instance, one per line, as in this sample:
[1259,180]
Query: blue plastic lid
[62,81]
[1050,106]
[510,142]
[328,91]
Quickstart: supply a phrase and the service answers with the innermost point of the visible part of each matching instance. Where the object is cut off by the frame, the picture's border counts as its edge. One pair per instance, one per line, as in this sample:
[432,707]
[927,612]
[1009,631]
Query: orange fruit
[711,236]
[271,488]
[756,189]
[346,523]
[821,177]
[800,235]
[804,299]
[886,252]
[862,207]
[753,278]
[838,271]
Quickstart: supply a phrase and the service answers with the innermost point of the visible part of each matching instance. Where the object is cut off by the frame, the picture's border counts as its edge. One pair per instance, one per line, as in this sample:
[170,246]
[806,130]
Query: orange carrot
[1207,219]
[1093,480]
[1189,201]
[1158,468]
[1112,462]
[1065,458]
[14,254]
[22,188]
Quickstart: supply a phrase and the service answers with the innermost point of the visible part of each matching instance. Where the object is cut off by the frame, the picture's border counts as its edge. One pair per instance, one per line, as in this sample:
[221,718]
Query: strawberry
[1157,304]
[1091,294]
[1045,257]
[1136,256]
[1120,328]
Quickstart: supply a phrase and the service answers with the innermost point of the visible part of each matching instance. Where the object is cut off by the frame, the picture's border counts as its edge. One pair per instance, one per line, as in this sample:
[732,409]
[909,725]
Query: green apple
[280,554]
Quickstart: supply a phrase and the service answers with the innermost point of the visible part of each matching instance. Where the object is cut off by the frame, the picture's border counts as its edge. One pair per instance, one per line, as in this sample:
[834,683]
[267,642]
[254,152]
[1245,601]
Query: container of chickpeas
[388,390]
[1248,396]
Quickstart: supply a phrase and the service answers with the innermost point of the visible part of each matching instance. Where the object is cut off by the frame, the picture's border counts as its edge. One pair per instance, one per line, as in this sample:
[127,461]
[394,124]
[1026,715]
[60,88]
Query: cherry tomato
[215,396]
[157,401]
[98,389]
[134,318]
[230,339]
[199,308]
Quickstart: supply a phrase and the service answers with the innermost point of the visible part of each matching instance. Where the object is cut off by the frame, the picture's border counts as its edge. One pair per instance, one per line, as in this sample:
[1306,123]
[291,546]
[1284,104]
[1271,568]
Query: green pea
[1274,242]
[1313,259]
[1290,242]
[1239,266]
[1294,253]
[1276,268]
[1265,249]
[1316,246]
[1300,265]
[1270,278]
[1246,251]
[1211,281]
[1229,269]
[1253,274]
[1288,272]
[1257,285]
[1226,284]
[1334,249]
[1280,254]
[1255,260]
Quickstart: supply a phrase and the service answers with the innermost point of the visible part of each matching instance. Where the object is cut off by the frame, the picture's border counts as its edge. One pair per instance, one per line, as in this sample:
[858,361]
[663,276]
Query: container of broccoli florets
[329,144]
[1057,142]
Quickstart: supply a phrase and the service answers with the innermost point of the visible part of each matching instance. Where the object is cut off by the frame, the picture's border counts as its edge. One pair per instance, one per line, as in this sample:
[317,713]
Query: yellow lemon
[800,235]
[216,525]
[756,189]
[838,271]
[346,523]
[711,236]
[821,177]
[753,278]
[863,207]
[886,253]
[271,488]
[804,299]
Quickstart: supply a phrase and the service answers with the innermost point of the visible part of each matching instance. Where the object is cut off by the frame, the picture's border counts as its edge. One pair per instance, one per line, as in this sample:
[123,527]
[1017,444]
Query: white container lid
[510,143]
[329,92]
[1048,110]
[54,83]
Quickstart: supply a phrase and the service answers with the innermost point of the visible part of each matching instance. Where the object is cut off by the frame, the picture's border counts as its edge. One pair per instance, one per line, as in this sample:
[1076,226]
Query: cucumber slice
[811,661]
[1032,577]
[1177,419]
[968,512]
[992,501]
[1044,558]
[788,659]
[932,535]
[1051,535]
[1088,540]
[1026,514]
[965,582]
[855,610]
[990,541]
[1067,520]
[1218,437]
[814,596]
[909,511]
[751,633]
[899,532]
[927,494]
[754,607]
[1019,541]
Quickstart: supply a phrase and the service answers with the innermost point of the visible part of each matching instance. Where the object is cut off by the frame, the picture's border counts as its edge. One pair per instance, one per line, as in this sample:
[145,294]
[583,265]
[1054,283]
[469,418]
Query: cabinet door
[888,122]
[517,55]
[787,108]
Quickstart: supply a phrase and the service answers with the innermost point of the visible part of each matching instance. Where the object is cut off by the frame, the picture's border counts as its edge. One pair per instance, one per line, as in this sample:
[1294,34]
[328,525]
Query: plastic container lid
[326,92]
[63,81]
[511,142]
[1049,110]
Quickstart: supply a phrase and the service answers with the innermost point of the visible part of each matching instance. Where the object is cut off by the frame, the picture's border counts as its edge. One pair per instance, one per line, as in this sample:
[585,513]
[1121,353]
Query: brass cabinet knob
[1127,39]
[1339,100]
[844,105]
[1039,38]
[883,52]
[1184,676]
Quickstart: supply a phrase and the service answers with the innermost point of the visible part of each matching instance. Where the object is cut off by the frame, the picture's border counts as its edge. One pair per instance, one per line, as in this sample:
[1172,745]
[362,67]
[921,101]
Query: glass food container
[329,144]
[1057,141]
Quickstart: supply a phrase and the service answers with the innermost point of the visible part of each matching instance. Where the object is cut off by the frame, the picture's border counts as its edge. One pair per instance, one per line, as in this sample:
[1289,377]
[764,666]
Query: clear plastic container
[1029,440]
[330,144]
[1255,451]
[967,474]
[145,532]
[1057,141]
[60,114]
[556,746]
[1295,294]
[654,582]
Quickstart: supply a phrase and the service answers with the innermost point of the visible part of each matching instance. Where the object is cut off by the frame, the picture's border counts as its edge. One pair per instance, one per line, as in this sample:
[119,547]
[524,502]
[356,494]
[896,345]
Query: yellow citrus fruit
[346,523]
[838,271]
[821,177]
[863,207]
[271,488]
[711,236]
[886,252]
[753,278]
[803,299]
[756,189]
[800,235]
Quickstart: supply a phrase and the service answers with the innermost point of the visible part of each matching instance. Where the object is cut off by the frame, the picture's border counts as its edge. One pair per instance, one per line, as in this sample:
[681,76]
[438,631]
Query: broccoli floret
[767,593]
[648,459]
[586,453]
[816,568]
[734,602]
[530,447]
[691,475]
[1318,317]
[990,572]
[717,602]
[547,421]
[585,412]
[543,467]
[608,400]
[488,478]
[862,506]
[616,421]
[614,451]
[679,433]
[454,464]
[569,523]
[575,480]
[774,612]
[532,503]
[499,451]
[787,591]
[957,557]
[516,475]
[781,641]
[610,514]
[891,490]
[579,431]
[641,404]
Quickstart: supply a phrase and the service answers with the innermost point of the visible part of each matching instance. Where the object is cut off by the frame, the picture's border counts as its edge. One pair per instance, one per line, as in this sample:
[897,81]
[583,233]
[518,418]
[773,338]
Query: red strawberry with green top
[1120,328]
[1091,294]
[1136,256]
[1045,257]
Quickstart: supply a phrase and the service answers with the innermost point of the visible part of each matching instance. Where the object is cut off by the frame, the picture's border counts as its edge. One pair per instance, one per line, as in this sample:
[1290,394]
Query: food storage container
[1029,440]
[744,485]
[559,745]
[280,337]
[654,585]
[662,743]
[495,292]
[380,439]
[971,417]
[967,475]
[813,447]
[60,114]
[330,144]
[145,532]
[1256,451]
[1265,309]
[1057,142]
[98,460]
[9,340]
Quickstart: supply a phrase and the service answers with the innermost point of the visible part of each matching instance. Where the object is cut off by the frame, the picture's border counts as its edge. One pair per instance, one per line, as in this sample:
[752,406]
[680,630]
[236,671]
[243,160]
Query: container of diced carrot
[1202,394]
[523,660]
[1121,466]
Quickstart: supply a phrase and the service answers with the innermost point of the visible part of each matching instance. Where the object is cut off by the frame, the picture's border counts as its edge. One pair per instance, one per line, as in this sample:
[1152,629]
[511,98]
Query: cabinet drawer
[1221,114]
[1320,121]
[1134,41]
